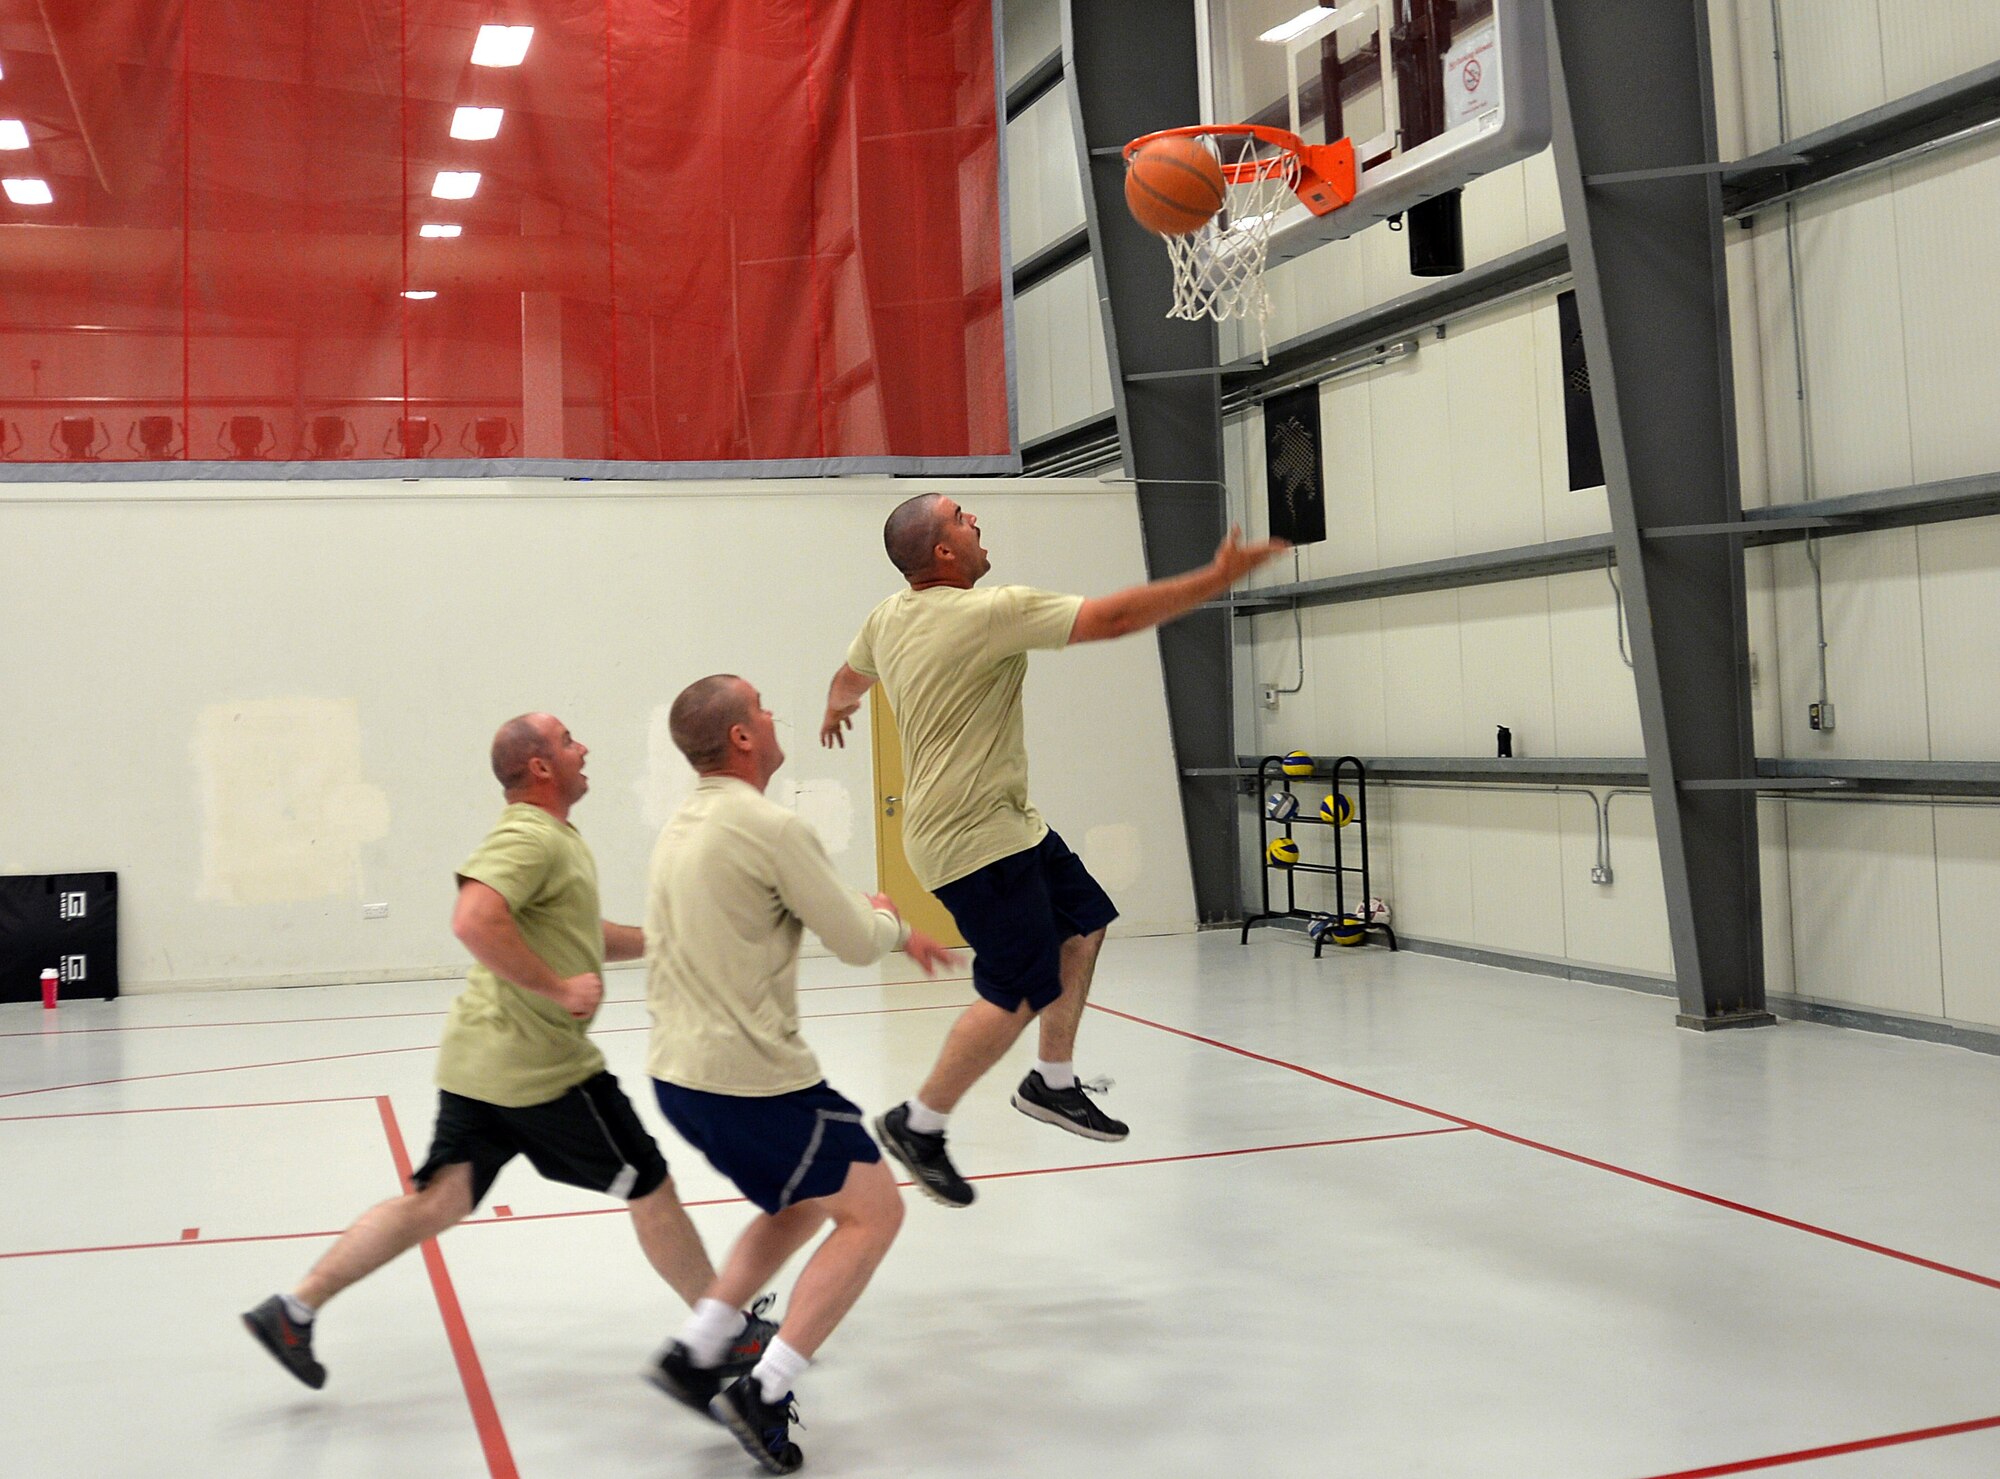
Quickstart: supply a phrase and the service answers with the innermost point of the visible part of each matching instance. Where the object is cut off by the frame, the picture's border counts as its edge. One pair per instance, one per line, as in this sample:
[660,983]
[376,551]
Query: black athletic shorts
[1016,912]
[590,1138]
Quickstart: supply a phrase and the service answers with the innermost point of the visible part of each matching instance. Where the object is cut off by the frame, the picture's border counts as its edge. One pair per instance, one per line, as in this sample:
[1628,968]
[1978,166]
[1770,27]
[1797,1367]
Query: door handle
[889,805]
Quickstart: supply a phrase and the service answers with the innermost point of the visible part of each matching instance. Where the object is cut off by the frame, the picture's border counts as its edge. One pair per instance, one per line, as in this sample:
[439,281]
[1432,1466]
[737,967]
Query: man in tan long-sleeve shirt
[735,881]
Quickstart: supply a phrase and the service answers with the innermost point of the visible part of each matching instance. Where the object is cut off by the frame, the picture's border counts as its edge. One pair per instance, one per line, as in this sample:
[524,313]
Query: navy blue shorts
[778,1150]
[1015,914]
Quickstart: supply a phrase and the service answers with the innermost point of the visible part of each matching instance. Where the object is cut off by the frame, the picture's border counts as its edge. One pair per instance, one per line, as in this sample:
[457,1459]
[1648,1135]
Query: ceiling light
[501,46]
[434,228]
[452,184]
[476,123]
[419,294]
[28,192]
[13,134]
[1305,20]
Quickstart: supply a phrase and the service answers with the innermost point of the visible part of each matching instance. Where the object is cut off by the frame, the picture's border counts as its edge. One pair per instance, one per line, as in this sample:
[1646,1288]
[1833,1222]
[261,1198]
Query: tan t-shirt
[734,880]
[951,662]
[504,1044]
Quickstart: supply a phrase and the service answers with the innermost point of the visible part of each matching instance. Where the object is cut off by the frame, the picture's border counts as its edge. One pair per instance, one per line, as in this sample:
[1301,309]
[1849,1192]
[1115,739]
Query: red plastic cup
[50,981]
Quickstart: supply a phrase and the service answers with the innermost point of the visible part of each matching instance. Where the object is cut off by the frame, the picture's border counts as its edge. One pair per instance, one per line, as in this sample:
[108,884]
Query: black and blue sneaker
[763,1428]
[1068,1109]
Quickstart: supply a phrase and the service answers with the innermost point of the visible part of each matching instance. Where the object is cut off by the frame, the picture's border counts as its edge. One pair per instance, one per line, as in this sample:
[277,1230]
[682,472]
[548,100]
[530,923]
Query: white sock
[779,1370]
[709,1329]
[923,1119]
[1057,1075]
[301,1312]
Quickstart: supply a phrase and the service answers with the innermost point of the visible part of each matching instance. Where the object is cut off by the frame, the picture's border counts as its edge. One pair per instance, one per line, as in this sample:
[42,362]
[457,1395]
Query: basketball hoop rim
[1241,173]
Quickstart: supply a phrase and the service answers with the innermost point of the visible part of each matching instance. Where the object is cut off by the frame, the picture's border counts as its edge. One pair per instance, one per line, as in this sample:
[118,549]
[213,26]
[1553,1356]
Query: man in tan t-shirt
[735,880]
[517,1073]
[952,660]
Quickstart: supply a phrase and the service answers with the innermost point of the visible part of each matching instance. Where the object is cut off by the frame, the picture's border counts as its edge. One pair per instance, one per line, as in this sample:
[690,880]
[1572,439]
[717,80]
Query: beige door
[919,905]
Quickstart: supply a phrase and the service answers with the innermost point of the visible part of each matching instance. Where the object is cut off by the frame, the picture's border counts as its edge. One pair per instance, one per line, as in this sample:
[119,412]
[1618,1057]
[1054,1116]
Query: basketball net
[1219,266]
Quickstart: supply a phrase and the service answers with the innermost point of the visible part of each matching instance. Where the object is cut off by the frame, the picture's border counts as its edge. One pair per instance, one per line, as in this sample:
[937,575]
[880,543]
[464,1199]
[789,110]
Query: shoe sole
[916,1177]
[276,1348]
[1062,1121]
[746,1435]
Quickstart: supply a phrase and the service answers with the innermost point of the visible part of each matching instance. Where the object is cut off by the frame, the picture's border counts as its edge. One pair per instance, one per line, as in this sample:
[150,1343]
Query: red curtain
[741,231]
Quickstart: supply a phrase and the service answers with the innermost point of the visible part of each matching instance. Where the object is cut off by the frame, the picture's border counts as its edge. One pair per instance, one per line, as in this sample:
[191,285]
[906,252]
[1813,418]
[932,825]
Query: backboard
[1434,93]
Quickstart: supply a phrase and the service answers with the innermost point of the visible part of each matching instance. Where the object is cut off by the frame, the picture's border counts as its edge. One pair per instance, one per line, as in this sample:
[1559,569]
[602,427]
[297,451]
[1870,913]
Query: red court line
[485,1416]
[1569,1155]
[91,1114]
[1833,1450]
[613,1001]
[428,1047]
[508,1215]
[137,1078]
[190,1234]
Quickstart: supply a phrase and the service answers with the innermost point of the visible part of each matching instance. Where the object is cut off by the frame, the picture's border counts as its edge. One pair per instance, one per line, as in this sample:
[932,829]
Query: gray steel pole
[1633,96]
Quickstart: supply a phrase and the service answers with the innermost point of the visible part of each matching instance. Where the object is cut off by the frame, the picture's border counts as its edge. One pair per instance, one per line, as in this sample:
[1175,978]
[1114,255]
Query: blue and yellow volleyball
[1281,806]
[1298,762]
[1347,930]
[1282,853]
[1336,810]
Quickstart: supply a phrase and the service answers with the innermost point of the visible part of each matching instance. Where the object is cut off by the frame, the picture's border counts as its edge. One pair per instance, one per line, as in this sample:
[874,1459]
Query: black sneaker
[673,1371]
[1068,1109]
[748,1348]
[763,1428]
[923,1156]
[288,1341]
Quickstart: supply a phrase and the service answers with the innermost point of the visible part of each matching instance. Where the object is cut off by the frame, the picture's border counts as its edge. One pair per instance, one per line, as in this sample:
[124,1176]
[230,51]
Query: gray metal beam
[1557,557]
[1132,66]
[1065,251]
[1632,91]
[1953,110]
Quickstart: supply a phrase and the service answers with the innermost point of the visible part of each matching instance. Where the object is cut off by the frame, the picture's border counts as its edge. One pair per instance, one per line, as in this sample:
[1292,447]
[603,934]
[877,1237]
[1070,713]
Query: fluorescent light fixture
[419,294]
[13,134]
[452,184]
[1305,20]
[501,46]
[476,123]
[437,229]
[28,192]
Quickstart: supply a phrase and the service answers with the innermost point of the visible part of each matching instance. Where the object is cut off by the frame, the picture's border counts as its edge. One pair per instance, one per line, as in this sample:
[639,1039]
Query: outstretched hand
[930,956]
[833,728]
[1234,559]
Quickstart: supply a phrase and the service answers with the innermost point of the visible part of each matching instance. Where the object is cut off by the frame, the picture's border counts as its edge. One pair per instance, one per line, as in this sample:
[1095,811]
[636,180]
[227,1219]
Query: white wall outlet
[1268,694]
[374,911]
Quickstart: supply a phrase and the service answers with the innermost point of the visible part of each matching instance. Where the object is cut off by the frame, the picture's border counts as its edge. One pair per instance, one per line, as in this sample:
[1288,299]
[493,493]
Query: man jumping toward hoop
[951,660]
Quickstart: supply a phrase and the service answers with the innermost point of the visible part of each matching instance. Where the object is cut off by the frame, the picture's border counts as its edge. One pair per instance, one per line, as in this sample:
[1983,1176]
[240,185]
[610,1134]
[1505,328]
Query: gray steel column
[1132,67]
[1633,98]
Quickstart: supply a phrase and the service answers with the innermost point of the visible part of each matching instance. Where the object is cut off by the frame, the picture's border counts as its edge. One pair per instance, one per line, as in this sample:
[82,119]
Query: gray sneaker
[290,1343]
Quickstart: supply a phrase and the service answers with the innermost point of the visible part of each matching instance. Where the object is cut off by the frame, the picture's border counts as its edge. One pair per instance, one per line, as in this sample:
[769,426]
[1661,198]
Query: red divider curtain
[763,233]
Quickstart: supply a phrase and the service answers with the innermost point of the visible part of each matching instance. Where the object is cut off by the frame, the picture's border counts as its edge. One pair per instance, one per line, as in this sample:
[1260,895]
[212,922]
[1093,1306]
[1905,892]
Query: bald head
[911,534]
[521,739]
[703,715]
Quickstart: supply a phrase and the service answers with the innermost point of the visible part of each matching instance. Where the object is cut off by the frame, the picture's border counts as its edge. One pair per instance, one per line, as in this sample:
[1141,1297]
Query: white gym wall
[268,705]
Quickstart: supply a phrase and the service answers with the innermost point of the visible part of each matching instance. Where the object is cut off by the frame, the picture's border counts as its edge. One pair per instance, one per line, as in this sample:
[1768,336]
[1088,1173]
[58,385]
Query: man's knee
[869,1200]
[445,1200]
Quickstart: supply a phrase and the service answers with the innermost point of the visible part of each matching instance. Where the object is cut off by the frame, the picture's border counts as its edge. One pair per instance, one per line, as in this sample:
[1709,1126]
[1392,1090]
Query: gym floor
[1379,1216]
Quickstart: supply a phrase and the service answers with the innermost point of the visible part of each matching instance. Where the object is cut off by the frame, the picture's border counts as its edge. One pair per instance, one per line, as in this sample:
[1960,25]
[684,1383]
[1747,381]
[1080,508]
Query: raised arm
[842,699]
[1141,606]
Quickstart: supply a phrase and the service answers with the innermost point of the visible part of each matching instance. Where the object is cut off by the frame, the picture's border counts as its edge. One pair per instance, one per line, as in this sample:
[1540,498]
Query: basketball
[1173,186]
[1283,852]
[1298,762]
